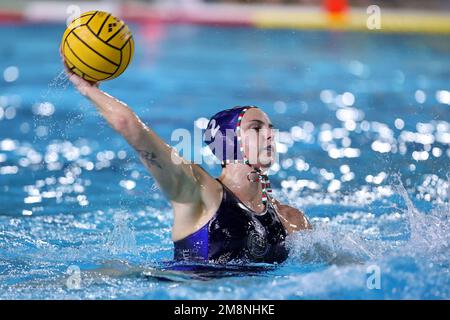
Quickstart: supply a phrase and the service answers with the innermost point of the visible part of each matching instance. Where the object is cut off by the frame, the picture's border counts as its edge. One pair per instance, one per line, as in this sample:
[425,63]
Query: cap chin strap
[263,179]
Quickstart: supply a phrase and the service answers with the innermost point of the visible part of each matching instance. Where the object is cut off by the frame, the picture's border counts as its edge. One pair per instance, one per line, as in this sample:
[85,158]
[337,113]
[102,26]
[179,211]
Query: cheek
[250,140]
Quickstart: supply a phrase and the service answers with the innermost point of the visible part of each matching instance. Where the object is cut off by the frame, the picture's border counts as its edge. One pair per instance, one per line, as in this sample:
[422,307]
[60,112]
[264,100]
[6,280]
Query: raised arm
[178,178]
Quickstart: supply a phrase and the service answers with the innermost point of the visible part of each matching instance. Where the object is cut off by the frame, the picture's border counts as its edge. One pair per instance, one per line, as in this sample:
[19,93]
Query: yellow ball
[97,46]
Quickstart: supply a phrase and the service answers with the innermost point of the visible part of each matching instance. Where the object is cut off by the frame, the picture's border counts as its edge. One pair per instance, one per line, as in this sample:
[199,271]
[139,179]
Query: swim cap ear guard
[223,137]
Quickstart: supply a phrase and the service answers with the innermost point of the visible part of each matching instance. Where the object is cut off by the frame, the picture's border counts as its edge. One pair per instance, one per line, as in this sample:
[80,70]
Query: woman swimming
[232,218]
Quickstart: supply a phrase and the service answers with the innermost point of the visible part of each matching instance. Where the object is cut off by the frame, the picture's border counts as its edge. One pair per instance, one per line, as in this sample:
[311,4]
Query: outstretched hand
[80,84]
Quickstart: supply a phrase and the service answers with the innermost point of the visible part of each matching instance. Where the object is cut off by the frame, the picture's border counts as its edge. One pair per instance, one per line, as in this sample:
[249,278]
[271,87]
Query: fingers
[75,79]
[66,67]
[80,83]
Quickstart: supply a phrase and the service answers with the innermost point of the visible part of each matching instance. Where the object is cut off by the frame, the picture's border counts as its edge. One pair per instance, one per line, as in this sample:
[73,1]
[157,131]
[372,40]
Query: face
[258,138]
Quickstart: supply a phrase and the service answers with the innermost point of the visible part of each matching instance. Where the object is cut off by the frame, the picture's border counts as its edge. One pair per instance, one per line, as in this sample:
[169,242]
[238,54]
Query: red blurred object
[10,16]
[335,6]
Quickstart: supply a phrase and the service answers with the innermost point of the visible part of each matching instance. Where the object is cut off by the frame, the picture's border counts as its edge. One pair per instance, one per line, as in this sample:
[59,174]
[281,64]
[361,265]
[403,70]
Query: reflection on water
[364,151]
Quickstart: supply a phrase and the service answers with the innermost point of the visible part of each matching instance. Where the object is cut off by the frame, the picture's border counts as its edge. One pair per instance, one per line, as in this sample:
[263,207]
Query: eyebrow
[261,122]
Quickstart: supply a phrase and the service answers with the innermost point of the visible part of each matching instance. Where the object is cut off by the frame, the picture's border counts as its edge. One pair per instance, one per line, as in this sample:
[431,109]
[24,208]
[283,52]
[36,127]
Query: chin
[267,164]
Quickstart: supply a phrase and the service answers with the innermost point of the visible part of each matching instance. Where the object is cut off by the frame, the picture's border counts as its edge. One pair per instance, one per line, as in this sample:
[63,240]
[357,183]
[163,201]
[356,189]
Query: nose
[270,134]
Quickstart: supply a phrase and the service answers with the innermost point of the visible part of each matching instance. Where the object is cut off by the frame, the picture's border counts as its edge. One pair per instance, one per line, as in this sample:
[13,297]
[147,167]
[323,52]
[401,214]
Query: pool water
[364,138]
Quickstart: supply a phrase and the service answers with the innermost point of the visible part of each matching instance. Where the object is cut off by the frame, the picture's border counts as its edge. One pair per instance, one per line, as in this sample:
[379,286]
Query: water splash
[331,242]
[328,245]
[428,232]
[122,240]
[56,86]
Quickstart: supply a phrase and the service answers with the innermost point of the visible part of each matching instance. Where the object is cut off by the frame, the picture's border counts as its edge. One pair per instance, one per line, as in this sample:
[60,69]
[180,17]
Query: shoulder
[292,218]
[210,189]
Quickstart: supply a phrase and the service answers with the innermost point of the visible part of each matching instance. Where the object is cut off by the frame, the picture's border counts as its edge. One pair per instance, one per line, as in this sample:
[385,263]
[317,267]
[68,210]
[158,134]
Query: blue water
[364,134]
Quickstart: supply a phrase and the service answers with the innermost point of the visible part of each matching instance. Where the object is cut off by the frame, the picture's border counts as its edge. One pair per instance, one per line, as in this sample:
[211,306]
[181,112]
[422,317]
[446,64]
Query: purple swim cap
[223,135]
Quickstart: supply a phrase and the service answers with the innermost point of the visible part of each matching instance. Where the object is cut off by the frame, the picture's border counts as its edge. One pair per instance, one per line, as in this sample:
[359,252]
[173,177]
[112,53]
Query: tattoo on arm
[150,158]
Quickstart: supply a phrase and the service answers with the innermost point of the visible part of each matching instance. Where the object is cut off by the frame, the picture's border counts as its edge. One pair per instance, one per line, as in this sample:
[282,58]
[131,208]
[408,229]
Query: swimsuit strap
[235,197]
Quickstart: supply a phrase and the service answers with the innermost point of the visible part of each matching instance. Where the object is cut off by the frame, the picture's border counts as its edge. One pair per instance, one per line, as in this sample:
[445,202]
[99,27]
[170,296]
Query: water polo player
[232,218]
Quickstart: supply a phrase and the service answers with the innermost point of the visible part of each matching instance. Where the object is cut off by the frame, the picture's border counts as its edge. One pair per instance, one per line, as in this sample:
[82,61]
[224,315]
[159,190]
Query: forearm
[175,175]
[126,122]
[121,118]
[161,159]
[115,112]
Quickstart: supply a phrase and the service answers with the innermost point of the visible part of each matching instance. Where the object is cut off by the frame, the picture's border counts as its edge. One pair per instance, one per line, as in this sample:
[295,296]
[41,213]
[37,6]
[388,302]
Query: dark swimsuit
[236,233]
